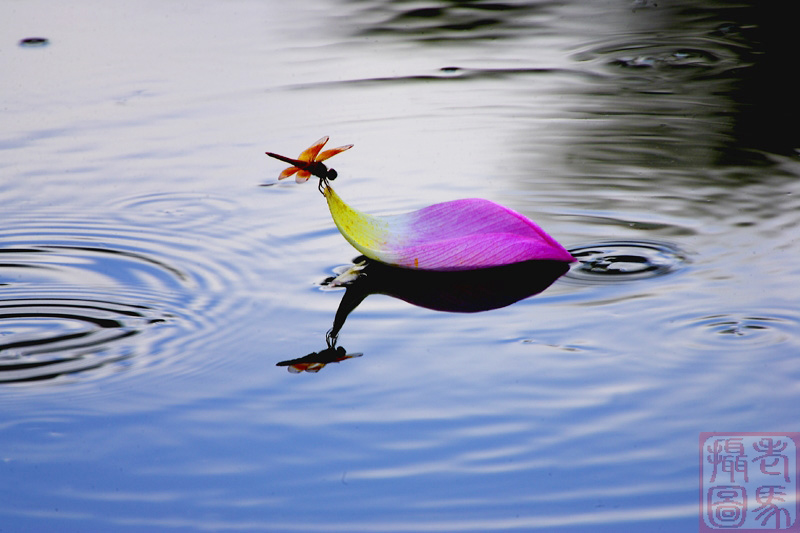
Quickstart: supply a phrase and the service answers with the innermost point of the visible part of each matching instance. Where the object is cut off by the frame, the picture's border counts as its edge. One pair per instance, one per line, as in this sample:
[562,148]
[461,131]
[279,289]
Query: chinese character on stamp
[749,482]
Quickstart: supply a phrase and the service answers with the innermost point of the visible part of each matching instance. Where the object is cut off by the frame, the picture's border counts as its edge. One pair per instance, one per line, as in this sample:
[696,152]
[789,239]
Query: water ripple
[624,260]
[175,210]
[47,338]
[81,293]
[685,60]
[734,330]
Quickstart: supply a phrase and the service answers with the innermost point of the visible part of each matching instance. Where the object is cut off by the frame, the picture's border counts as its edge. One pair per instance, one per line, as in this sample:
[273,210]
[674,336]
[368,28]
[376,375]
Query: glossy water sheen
[149,286]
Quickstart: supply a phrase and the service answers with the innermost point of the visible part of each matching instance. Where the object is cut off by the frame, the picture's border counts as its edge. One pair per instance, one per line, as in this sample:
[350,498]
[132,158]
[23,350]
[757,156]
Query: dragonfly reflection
[468,291]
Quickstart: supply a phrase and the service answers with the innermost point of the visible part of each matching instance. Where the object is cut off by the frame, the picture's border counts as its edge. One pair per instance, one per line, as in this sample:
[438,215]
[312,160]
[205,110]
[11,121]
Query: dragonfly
[310,162]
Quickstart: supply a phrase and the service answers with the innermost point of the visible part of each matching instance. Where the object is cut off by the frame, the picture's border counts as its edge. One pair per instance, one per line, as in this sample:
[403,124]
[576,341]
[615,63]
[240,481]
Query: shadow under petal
[466,291]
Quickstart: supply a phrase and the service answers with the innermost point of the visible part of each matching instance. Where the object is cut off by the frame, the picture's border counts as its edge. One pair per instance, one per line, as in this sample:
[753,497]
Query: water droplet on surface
[34,42]
[727,331]
[624,260]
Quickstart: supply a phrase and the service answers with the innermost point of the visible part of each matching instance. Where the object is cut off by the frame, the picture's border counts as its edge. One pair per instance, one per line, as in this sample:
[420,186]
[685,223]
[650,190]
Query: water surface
[149,285]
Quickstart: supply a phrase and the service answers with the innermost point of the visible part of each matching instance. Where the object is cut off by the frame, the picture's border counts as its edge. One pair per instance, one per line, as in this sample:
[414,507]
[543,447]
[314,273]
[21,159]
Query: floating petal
[459,235]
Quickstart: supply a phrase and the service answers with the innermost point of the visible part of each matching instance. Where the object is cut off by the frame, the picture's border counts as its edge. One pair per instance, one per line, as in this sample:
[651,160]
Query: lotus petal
[459,235]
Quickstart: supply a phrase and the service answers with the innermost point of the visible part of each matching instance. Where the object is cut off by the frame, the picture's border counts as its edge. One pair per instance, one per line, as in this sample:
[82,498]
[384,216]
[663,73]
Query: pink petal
[474,233]
[460,235]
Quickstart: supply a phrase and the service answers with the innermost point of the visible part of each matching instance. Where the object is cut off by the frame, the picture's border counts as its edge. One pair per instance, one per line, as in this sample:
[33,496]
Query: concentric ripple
[176,210]
[83,293]
[624,260]
[738,330]
[47,338]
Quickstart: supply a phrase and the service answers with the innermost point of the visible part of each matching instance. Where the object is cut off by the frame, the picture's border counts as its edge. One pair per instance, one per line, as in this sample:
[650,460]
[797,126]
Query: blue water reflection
[139,254]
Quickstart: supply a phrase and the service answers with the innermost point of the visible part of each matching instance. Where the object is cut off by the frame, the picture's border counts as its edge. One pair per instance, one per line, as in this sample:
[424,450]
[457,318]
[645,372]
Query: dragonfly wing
[310,153]
[287,173]
[332,152]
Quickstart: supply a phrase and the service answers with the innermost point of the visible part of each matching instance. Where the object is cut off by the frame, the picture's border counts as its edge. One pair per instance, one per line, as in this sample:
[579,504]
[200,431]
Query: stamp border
[705,435]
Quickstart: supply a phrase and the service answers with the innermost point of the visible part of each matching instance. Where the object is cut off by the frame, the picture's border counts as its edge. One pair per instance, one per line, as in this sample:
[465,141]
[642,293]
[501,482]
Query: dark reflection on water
[767,113]
[450,20]
[715,73]
[483,290]
[453,74]
[316,361]
[693,83]
[469,291]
